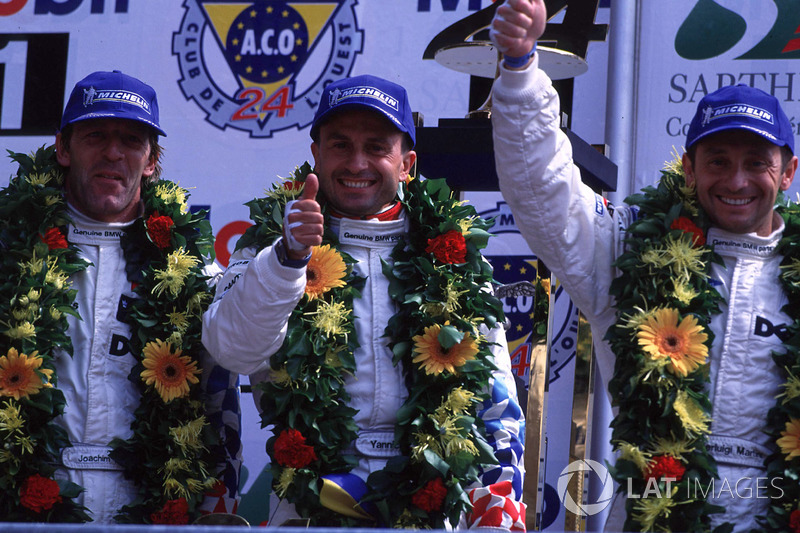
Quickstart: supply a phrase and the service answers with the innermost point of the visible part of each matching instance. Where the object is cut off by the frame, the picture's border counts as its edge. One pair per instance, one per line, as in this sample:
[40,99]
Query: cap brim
[117,117]
[356,105]
[767,136]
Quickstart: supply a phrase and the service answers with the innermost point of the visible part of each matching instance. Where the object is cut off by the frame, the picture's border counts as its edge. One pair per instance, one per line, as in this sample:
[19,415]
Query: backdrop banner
[237,84]
[689,48]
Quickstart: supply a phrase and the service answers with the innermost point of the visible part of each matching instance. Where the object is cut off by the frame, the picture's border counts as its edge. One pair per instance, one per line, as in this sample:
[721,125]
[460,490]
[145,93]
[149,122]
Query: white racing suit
[100,399]
[247,323]
[578,237]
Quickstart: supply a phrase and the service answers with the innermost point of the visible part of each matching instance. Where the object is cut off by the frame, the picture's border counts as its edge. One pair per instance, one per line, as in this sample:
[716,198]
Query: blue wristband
[517,62]
[283,257]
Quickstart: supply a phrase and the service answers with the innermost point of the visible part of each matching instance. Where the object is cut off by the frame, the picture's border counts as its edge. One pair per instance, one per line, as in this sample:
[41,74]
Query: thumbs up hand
[517,25]
[303,222]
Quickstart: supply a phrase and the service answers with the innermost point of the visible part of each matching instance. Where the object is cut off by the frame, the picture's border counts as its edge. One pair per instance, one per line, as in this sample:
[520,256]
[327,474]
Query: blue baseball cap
[112,95]
[368,92]
[741,107]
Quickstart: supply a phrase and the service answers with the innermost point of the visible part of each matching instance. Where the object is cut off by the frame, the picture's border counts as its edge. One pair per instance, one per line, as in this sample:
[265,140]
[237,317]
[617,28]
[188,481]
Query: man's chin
[111,212]
[351,209]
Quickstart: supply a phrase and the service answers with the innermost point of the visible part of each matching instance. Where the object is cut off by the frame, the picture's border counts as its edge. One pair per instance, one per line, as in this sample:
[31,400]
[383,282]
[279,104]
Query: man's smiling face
[360,160]
[738,174]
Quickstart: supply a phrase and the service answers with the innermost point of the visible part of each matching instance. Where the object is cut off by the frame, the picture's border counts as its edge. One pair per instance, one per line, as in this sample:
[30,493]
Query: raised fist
[517,25]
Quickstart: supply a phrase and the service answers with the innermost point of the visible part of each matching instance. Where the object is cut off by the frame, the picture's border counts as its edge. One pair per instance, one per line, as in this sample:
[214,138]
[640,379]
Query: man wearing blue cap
[129,419]
[686,289]
[361,307]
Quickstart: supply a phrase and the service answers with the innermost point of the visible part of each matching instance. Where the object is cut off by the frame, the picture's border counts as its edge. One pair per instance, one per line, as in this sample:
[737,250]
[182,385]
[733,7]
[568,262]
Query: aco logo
[260,66]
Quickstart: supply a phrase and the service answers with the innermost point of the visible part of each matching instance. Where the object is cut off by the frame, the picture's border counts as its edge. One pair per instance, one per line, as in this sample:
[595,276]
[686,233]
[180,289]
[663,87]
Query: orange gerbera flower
[169,371]
[790,439]
[682,343]
[18,376]
[432,356]
[325,271]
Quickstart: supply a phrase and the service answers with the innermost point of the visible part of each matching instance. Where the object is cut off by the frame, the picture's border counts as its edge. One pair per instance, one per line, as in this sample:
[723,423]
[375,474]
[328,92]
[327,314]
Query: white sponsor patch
[376,444]
[88,457]
[733,451]
[361,237]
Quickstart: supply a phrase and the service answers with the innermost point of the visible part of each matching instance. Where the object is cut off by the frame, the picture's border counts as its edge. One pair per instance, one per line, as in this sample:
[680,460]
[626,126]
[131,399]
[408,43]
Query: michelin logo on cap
[743,110]
[337,96]
[91,95]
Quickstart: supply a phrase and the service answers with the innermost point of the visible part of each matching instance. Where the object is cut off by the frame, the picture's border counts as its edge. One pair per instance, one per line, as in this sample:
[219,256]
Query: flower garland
[173,454]
[439,282]
[35,299]
[783,420]
[661,340]
[173,449]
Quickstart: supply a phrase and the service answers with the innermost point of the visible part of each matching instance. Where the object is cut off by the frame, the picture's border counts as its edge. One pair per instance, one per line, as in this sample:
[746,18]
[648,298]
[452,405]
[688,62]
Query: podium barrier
[128,528]
[135,528]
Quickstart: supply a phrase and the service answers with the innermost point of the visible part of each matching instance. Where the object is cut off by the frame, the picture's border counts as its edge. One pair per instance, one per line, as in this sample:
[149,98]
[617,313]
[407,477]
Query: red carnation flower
[687,226]
[291,450]
[293,185]
[174,512]
[430,497]
[794,521]
[159,229]
[665,466]
[449,247]
[54,239]
[39,493]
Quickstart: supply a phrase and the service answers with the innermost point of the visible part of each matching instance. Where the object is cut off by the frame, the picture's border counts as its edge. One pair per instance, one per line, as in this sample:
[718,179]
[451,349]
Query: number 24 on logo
[256,103]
